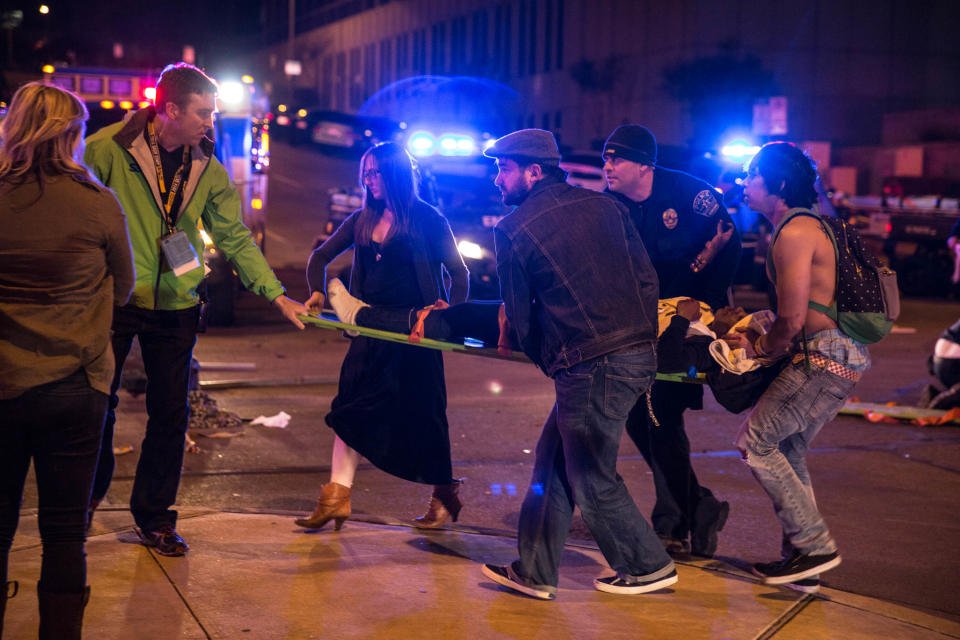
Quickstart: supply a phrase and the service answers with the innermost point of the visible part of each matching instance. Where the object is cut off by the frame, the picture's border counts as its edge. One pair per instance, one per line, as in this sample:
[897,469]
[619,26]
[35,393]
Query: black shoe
[508,577]
[795,568]
[806,585]
[633,585]
[165,540]
[703,539]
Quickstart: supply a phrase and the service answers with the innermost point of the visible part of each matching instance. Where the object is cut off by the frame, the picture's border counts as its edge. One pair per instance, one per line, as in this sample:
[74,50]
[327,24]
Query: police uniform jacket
[676,222]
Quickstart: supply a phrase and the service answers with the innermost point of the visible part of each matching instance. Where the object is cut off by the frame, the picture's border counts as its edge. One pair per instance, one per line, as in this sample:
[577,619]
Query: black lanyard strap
[177,177]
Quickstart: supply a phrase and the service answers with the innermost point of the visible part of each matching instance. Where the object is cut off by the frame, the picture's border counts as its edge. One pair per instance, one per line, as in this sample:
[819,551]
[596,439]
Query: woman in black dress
[391,403]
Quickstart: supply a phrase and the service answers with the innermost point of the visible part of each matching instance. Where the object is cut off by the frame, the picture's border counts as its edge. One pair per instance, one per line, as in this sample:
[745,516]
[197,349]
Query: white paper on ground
[279,421]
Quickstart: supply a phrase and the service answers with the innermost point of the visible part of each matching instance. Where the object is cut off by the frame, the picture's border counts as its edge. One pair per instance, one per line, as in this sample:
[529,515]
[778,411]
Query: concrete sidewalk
[257,575]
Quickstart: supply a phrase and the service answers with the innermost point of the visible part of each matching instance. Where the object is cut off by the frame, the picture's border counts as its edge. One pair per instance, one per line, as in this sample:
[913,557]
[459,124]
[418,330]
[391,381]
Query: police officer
[695,249]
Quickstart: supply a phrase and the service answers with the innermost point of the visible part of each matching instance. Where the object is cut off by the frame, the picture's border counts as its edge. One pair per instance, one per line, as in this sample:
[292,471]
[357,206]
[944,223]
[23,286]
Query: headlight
[739,150]
[421,144]
[470,250]
[452,144]
[231,93]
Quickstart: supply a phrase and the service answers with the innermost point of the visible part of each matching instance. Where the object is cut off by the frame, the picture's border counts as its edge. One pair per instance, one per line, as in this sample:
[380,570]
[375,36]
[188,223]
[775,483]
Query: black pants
[476,320]
[57,425]
[166,342]
[946,370]
[666,449]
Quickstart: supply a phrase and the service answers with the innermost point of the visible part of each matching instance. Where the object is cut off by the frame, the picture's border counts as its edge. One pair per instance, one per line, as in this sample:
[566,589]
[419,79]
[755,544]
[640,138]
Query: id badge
[180,254]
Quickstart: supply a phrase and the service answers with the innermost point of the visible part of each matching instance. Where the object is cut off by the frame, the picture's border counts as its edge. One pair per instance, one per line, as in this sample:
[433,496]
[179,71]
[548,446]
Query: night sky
[153,34]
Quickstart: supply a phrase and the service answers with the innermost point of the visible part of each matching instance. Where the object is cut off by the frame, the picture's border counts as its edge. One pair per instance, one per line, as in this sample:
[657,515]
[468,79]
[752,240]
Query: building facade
[582,67]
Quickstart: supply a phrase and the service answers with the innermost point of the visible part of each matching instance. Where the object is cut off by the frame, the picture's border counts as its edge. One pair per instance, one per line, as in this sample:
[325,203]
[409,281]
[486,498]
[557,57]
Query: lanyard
[177,177]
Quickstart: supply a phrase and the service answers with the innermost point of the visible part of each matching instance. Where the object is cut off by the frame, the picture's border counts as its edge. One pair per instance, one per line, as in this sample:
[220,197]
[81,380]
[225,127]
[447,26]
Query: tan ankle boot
[445,503]
[333,504]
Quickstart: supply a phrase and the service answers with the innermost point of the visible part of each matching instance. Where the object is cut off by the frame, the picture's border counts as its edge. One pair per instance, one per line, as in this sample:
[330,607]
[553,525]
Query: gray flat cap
[536,144]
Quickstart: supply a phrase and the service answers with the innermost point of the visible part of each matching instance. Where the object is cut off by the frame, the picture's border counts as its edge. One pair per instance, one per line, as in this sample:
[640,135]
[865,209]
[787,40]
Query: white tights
[343,466]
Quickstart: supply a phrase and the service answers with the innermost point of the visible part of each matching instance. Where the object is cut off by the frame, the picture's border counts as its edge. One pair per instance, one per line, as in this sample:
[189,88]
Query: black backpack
[867,300]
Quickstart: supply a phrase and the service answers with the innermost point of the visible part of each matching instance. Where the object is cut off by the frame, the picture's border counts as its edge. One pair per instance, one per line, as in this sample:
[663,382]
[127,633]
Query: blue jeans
[576,464]
[774,442]
[58,425]
[166,342]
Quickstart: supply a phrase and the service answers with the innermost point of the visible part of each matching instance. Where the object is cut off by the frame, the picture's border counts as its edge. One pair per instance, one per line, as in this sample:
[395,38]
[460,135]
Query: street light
[44,9]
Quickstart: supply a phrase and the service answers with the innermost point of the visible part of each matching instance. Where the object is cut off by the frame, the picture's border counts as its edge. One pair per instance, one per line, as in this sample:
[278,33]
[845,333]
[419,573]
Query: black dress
[392,400]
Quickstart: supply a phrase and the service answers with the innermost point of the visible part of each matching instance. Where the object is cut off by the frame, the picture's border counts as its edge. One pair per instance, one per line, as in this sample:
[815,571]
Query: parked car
[336,131]
[584,169]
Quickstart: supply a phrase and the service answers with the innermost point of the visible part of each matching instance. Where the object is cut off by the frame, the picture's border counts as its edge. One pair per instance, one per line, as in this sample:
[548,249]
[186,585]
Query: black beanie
[633,142]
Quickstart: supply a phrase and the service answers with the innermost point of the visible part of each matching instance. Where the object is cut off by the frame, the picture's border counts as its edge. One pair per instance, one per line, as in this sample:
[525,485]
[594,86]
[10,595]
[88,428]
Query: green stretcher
[900,412]
[328,322]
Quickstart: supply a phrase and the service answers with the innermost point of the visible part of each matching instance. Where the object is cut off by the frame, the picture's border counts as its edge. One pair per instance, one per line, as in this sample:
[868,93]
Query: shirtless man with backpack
[822,371]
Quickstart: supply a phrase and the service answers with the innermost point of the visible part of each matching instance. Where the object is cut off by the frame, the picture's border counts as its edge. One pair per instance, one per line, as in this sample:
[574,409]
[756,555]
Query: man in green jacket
[161,167]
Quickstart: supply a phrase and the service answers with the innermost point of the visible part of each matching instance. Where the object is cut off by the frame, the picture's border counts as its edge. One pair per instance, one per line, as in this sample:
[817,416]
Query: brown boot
[445,504]
[333,504]
[61,614]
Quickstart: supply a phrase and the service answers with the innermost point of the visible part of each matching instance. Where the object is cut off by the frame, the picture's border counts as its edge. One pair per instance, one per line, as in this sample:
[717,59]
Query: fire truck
[243,147]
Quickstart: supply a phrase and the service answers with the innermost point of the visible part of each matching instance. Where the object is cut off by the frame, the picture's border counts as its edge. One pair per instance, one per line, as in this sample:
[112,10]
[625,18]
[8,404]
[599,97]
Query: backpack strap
[791,214]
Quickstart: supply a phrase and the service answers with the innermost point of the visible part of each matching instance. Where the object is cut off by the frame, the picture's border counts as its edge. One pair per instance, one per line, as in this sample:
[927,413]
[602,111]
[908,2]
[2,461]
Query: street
[888,491]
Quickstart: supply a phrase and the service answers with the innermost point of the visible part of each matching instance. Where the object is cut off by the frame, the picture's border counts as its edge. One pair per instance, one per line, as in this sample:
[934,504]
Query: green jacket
[120,157]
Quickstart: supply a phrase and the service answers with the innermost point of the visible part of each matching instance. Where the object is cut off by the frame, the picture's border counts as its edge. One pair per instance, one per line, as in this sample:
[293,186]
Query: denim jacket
[574,275]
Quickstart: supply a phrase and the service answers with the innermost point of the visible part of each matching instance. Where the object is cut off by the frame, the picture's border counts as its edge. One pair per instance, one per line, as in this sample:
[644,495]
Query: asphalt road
[888,491]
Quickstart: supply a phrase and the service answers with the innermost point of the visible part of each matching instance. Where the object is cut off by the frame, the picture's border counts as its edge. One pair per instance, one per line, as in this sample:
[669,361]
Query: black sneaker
[806,585]
[508,577]
[703,539]
[632,585]
[165,540]
[797,567]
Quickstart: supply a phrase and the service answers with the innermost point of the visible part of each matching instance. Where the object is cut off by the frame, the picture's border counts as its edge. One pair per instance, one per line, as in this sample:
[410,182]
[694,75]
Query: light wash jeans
[774,442]
[576,464]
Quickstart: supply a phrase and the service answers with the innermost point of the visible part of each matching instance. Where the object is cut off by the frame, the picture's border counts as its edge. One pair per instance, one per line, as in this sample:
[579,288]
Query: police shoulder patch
[705,203]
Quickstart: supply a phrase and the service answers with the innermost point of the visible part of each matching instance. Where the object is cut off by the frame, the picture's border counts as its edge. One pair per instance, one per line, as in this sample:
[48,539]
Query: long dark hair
[399,191]
[787,172]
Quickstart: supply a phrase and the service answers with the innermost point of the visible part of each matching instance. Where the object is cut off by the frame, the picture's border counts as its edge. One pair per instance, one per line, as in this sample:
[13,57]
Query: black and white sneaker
[632,585]
[508,577]
[806,585]
[797,567]
[165,540]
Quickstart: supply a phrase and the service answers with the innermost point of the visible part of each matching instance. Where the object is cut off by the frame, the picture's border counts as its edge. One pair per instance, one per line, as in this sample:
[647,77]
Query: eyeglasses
[370,174]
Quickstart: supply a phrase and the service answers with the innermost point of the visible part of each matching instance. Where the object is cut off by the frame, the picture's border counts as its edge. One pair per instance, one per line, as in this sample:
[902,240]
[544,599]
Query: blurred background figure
[944,393]
[65,261]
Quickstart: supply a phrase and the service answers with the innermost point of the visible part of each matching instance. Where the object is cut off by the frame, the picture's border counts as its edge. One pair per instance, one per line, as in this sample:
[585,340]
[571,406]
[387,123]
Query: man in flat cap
[695,249]
[581,297]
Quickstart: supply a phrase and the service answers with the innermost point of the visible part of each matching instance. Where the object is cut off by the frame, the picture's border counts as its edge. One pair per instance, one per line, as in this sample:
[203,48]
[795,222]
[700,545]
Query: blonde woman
[65,261]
